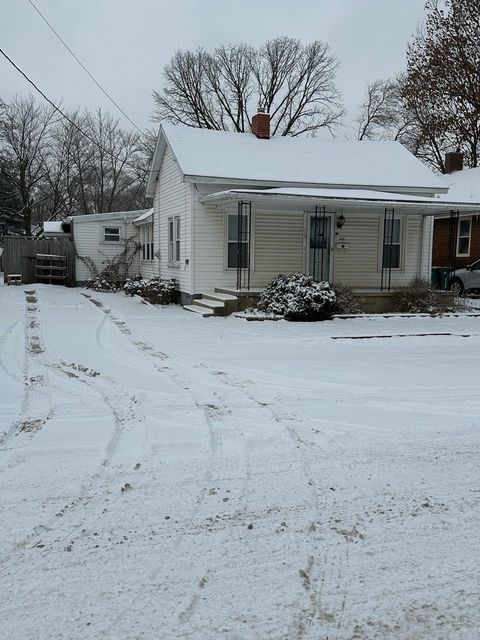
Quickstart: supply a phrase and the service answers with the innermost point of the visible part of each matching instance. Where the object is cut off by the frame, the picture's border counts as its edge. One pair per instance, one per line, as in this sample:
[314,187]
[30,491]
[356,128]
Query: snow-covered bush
[153,290]
[103,284]
[419,297]
[298,297]
[347,301]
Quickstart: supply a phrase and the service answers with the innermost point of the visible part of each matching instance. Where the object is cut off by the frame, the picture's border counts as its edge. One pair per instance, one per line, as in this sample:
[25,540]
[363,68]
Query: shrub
[419,297]
[153,290]
[298,297]
[347,300]
[113,275]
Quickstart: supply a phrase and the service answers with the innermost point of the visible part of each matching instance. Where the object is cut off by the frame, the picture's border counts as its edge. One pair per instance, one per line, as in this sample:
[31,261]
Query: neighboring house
[456,236]
[232,210]
[101,236]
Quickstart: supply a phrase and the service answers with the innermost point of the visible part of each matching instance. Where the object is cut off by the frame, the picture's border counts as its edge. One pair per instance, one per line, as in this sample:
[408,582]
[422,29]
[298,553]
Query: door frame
[331,263]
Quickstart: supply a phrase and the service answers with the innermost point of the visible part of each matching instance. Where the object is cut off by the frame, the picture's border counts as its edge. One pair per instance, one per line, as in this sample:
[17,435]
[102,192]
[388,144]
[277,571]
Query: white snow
[140,443]
[145,217]
[464,185]
[54,226]
[226,155]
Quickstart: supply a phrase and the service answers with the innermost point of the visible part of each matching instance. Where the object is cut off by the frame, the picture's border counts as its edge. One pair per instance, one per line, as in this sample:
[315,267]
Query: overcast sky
[126,43]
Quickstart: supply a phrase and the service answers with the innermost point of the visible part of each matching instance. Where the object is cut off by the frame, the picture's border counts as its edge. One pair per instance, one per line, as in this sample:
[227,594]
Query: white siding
[278,245]
[360,264]
[88,238]
[173,198]
[426,258]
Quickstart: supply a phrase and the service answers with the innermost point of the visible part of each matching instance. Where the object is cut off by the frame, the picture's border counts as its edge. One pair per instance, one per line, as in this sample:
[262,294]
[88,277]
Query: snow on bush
[419,297]
[298,297]
[154,290]
[102,284]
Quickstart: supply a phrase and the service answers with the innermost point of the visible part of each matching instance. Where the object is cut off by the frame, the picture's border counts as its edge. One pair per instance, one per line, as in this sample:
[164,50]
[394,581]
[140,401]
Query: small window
[464,236]
[111,234]
[146,239]
[392,244]
[232,241]
[174,239]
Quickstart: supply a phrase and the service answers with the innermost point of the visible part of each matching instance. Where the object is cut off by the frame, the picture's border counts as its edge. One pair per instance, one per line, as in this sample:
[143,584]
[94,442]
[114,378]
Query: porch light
[340,221]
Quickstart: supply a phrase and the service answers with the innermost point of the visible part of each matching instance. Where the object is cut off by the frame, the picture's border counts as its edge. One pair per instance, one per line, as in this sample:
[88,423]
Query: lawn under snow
[166,476]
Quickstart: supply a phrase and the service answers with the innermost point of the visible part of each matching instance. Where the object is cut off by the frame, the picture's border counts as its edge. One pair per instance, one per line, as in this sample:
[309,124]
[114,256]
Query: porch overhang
[145,218]
[338,199]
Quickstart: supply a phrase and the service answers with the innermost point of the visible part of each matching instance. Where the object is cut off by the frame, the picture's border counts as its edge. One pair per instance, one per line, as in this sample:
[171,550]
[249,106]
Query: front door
[319,245]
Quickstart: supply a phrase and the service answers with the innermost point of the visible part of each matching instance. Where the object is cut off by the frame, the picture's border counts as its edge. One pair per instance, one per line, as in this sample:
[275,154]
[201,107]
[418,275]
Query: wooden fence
[20,254]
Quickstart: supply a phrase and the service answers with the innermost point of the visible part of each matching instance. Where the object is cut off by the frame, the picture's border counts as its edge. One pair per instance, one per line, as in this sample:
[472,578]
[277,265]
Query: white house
[232,210]
[101,236]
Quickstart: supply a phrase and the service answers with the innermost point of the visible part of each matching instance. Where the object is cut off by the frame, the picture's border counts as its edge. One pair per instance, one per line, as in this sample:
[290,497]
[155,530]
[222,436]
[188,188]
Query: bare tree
[55,167]
[295,83]
[24,147]
[442,84]
[381,112]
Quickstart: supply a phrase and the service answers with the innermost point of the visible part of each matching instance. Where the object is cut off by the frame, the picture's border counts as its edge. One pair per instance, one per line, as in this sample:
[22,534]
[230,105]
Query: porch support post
[244,226]
[452,240]
[388,220]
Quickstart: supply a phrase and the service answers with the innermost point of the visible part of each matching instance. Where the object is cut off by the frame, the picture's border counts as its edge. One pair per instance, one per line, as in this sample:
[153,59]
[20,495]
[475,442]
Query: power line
[74,124]
[83,66]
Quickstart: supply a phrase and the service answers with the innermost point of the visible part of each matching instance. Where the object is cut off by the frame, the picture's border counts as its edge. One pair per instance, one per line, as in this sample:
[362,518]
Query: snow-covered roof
[207,155]
[348,198]
[464,185]
[145,217]
[53,227]
[111,216]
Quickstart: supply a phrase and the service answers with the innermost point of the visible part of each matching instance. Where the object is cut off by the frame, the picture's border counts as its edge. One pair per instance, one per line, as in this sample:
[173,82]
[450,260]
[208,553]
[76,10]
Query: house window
[232,240]
[111,234]
[464,236]
[174,239]
[146,239]
[392,243]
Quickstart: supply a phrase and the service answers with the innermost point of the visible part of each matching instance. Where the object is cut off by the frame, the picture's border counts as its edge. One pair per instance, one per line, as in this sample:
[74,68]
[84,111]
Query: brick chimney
[261,124]
[453,161]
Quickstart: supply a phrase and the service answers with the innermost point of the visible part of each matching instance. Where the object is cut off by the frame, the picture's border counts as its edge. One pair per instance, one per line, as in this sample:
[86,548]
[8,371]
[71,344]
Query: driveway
[169,476]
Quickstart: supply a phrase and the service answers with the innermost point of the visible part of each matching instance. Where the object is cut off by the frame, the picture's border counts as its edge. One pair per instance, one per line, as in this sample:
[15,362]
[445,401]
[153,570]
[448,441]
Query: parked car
[466,279]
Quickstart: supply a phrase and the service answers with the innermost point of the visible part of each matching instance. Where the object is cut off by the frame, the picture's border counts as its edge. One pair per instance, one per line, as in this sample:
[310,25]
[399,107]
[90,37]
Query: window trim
[104,234]
[402,235]
[462,219]
[234,212]
[146,240]
[174,241]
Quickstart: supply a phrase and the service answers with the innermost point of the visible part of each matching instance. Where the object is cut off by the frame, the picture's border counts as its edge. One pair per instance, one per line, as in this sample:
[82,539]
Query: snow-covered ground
[165,476]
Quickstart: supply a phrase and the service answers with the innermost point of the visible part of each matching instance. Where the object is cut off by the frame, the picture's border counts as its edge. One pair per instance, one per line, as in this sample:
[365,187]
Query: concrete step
[210,304]
[222,297]
[195,308]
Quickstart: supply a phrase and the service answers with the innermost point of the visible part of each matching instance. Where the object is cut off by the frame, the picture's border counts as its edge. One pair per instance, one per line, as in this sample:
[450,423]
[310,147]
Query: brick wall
[440,257]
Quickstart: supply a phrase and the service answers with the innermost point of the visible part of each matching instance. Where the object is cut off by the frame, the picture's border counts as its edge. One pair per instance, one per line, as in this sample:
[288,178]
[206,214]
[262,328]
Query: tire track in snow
[181,375]
[212,405]
[313,573]
[120,411]
[36,406]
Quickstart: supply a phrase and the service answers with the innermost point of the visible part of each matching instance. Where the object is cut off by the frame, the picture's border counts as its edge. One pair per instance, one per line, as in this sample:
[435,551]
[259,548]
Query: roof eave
[430,190]
[420,207]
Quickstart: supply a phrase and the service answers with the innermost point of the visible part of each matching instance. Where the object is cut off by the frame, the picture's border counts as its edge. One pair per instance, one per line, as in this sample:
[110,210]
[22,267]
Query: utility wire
[83,66]
[74,124]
